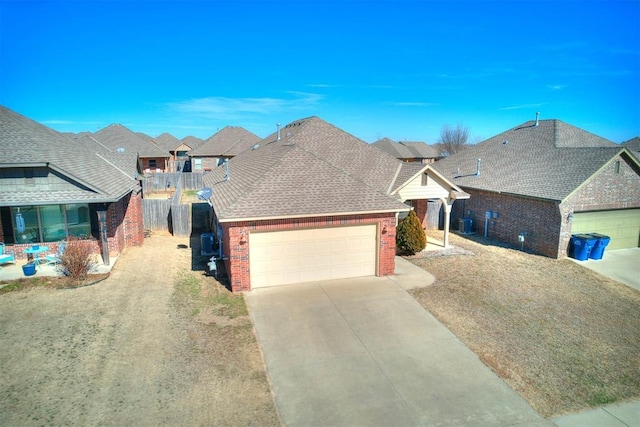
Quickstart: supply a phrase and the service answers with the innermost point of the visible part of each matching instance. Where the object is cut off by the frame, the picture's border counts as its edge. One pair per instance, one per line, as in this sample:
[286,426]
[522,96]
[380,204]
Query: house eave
[318,215]
[60,202]
[24,165]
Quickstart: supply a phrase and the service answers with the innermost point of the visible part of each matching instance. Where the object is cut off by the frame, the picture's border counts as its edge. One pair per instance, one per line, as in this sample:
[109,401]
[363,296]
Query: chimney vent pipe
[278,126]
[537,116]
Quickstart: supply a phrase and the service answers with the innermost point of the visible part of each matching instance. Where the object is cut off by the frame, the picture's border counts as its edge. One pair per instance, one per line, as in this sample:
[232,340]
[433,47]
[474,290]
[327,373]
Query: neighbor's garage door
[623,226]
[296,256]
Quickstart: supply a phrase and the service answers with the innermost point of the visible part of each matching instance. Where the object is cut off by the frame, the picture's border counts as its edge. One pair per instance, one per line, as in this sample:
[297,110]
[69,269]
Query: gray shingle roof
[314,169]
[168,142]
[117,136]
[227,142]
[25,143]
[192,141]
[633,145]
[547,161]
[406,149]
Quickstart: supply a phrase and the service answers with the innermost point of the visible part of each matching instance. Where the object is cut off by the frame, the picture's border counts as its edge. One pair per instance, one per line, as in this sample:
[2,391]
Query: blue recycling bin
[597,252]
[582,245]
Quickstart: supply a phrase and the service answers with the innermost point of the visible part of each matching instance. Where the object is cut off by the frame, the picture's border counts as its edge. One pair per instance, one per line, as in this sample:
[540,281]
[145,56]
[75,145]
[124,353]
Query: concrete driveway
[363,352]
[622,265]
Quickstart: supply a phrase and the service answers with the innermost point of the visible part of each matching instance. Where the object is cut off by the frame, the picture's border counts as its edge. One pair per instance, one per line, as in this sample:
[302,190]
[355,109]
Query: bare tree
[453,138]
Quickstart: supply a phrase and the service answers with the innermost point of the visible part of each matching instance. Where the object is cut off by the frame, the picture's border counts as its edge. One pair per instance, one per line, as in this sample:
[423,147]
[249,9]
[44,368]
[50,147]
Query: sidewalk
[616,415]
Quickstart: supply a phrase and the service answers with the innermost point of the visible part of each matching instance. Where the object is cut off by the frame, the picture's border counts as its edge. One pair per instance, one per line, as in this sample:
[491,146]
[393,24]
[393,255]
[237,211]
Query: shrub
[410,236]
[76,261]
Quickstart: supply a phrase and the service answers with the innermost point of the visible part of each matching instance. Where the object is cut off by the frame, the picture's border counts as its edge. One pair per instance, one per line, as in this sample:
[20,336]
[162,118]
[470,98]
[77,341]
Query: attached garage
[306,255]
[623,226]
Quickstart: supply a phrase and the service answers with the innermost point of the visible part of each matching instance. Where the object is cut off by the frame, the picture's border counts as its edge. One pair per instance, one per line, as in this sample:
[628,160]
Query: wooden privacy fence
[159,182]
[169,214]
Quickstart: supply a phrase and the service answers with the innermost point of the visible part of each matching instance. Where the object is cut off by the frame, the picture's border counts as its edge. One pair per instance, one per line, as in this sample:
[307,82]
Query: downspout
[104,241]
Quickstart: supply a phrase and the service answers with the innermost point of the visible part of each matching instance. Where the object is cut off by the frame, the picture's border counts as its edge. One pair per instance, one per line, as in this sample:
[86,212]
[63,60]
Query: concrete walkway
[363,352]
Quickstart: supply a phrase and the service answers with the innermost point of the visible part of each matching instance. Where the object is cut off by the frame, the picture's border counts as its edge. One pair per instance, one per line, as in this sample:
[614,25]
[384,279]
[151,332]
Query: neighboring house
[313,202]
[408,151]
[224,144]
[536,184]
[119,138]
[633,145]
[52,186]
[192,141]
[179,150]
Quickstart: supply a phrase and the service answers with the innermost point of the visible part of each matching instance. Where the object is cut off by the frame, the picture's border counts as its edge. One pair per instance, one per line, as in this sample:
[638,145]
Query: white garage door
[296,256]
[623,226]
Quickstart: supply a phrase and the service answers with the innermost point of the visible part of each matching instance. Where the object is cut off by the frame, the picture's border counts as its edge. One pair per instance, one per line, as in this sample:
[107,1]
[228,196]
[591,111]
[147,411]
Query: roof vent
[255,147]
[120,150]
[537,116]
[278,131]
[505,142]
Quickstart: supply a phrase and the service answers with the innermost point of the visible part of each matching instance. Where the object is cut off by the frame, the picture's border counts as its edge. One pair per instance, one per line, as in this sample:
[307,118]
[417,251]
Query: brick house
[179,150]
[312,202]
[543,181]
[61,186]
[228,142]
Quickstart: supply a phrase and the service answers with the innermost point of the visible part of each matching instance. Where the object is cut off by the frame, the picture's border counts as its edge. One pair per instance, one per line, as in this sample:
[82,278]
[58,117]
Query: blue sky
[400,69]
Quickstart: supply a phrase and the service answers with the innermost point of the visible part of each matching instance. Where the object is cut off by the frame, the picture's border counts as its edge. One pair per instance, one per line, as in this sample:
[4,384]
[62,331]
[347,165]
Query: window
[51,223]
[617,166]
[425,180]
[152,163]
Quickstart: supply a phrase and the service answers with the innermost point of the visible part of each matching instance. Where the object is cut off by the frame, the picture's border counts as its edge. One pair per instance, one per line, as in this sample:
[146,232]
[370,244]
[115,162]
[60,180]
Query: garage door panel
[297,256]
[623,226]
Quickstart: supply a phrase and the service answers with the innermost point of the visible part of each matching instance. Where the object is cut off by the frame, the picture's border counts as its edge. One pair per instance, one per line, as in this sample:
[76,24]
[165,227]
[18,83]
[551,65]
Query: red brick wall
[539,219]
[125,227]
[236,241]
[420,207]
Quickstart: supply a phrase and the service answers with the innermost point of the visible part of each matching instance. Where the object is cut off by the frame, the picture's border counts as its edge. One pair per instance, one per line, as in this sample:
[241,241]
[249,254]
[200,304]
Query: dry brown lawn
[155,342]
[562,336]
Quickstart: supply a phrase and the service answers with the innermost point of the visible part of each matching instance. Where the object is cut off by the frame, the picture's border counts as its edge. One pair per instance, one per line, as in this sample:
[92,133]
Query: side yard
[153,344]
[561,335]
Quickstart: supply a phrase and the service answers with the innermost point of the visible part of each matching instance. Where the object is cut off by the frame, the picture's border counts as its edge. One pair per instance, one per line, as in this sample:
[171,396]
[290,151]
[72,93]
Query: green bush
[410,237]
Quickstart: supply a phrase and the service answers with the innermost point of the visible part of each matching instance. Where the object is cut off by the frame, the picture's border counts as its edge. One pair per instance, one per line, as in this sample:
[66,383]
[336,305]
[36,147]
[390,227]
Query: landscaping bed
[561,335]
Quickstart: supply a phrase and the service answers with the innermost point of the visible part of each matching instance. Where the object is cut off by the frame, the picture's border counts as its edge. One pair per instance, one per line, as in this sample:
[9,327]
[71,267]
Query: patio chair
[56,258]
[6,256]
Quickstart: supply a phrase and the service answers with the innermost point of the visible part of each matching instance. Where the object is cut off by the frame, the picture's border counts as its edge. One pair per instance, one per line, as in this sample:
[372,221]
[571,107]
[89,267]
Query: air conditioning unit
[464,225]
[206,244]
